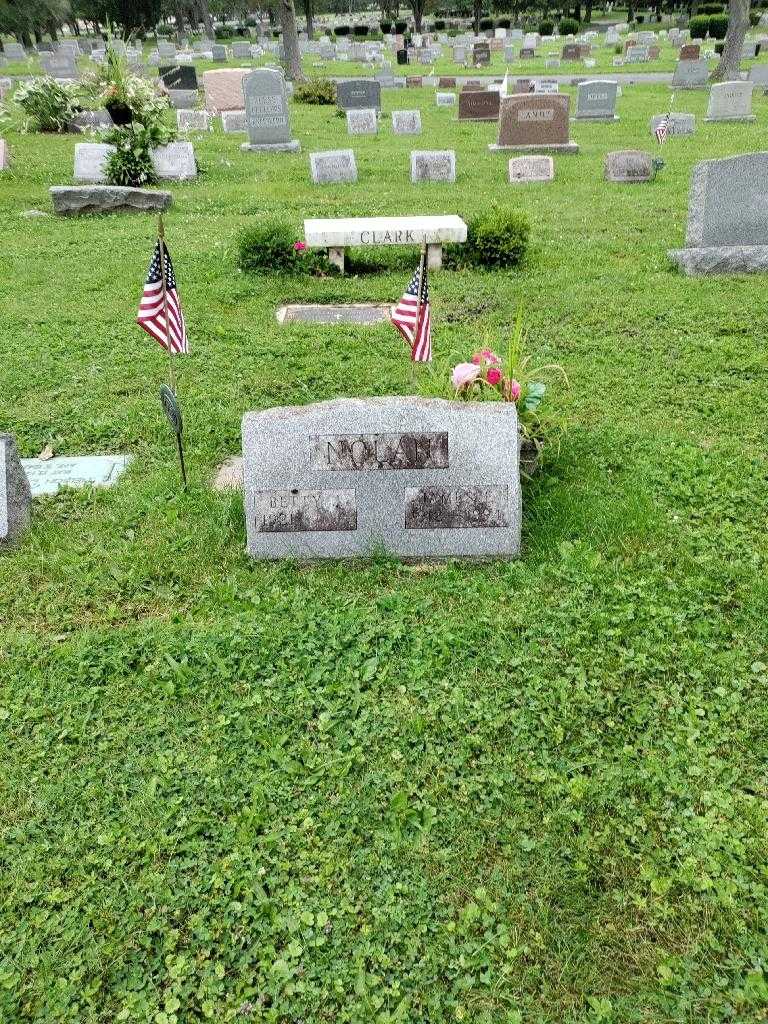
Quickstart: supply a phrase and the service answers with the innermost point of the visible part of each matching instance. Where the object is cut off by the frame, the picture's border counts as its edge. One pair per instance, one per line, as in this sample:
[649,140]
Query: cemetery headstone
[535,122]
[406,122]
[571,51]
[233,122]
[416,477]
[478,106]
[628,166]
[433,165]
[524,169]
[727,228]
[446,82]
[224,89]
[445,99]
[413,81]
[5,160]
[192,120]
[266,113]
[678,124]
[596,101]
[690,51]
[730,101]
[362,122]
[15,493]
[175,162]
[91,161]
[178,76]
[333,167]
[690,74]
[527,53]
[359,94]
[15,51]
[481,55]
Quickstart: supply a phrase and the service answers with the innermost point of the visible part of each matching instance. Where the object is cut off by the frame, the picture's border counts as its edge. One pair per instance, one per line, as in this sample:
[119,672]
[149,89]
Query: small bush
[221,32]
[439,25]
[503,23]
[719,47]
[485,24]
[400,27]
[754,18]
[568,27]
[271,246]
[710,9]
[718,25]
[497,240]
[46,105]
[618,49]
[360,30]
[546,28]
[164,30]
[699,26]
[318,91]
[386,27]
[341,30]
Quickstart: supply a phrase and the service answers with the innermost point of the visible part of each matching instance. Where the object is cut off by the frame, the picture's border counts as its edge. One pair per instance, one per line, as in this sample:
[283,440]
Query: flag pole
[161,239]
[422,265]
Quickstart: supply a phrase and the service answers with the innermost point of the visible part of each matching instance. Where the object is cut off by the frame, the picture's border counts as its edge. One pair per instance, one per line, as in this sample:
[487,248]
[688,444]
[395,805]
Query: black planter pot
[120,113]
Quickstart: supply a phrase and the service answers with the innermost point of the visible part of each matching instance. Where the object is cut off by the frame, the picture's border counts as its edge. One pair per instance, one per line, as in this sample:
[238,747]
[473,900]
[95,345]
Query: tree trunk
[52,31]
[738,23]
[588,11]
[417,7]
[206,16]
[477,12]
[287,14]
[577,11]
[309,14]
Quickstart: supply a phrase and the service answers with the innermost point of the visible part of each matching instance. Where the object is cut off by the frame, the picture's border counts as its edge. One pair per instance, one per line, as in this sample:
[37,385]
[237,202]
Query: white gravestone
[361,121]
[406,122]
[433,165]
[333,167]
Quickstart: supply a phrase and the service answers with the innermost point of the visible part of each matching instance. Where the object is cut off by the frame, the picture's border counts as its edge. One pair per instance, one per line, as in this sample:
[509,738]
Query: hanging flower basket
[120,113]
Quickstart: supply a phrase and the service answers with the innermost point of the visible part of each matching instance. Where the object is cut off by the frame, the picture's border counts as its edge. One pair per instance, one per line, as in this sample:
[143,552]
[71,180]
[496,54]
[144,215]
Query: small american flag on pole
[160,313]
[662,130]
[411,315]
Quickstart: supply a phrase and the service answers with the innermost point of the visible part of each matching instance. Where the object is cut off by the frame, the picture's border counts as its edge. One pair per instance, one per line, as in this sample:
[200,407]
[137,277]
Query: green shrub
[221,32]
[439,25]
[271,247]
[718,25]
[699,26]
[341,30]
[754,18]
[360,30]
[719,47]
[618,48]
[400,27]
[546,28]
[503,23]
[131,163]
[485,24]
[568,27]
[496,240]
[164,30]
[710,9]
[386,27]
[317,91]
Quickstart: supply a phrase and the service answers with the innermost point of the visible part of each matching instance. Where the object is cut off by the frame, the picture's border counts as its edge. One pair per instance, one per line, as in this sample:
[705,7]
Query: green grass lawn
[496,793]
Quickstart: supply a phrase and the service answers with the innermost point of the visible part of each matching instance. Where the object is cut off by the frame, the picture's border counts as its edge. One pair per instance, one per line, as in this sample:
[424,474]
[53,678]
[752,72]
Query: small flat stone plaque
[46,477]
[361,314]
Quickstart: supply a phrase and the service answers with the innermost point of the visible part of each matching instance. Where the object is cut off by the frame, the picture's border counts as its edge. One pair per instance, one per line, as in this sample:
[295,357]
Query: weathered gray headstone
[523,169]
[690,74]
[91,161]
[175,162]
[418,478]
[406,122]
[362,122]
[727,224]
[679,123]
[49,476]
[15,494]
[730,101]
[90,120]
[72,201]
[628,166]
[360,94]
[266,112]
[596,101]
[433,165]
[233,122]
[333,166]
[5,159]
[192,120]
[15,51]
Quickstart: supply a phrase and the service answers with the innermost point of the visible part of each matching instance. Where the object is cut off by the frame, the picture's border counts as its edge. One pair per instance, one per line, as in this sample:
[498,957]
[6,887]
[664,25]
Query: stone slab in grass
[15,493]
[678,124]
[75,200]
[526,169]
[359,313]
[47,476]
[628,166]
[415,477]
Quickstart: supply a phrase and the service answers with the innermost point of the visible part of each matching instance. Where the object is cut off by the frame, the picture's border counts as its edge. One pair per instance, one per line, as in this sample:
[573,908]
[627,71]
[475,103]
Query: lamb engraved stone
[727,227]
[418,478]
[15,493]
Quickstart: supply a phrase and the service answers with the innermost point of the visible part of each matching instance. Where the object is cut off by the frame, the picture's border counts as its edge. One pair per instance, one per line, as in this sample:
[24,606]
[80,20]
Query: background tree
[287,15]
[419,9]
[309,14]
[738,23]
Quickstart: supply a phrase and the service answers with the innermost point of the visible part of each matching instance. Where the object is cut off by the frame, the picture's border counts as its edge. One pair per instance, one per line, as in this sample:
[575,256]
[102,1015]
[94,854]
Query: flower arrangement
[487,376]
[45,105]
[126,96]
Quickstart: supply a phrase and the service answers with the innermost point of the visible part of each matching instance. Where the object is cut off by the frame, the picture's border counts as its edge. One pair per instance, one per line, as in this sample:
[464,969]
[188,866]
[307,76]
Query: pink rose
[515,389]
[493,376]
[490,357]
[476,358]
[464,374]
[299,246]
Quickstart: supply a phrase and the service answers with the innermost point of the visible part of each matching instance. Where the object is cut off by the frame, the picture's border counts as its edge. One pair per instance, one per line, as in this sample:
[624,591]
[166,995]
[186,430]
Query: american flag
[418,334]
[151,310]
[662,130]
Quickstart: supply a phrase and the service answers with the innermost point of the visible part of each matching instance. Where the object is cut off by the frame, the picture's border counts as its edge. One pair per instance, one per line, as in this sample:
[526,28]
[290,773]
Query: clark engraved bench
[336,234]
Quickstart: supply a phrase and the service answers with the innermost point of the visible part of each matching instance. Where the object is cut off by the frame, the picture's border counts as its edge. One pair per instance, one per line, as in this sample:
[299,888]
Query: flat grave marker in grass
[628,166]
[48,476]
[433,165]
[333,166]
[418,478]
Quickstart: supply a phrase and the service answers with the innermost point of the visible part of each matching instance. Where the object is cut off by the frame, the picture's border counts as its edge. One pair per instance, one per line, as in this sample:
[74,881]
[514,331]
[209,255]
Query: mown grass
[499,793]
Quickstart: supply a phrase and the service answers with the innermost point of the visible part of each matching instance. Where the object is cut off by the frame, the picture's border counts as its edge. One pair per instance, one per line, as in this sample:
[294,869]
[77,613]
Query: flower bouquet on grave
[488,377]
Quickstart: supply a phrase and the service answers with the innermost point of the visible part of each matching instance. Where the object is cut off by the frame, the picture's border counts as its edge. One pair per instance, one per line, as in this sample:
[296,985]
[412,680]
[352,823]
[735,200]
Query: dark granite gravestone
[535,122]
[478,106]
[481,54]
[727,224]
[15,494]
[359,94]
[416,477]
[571,51]
[178,76]
[402,57]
